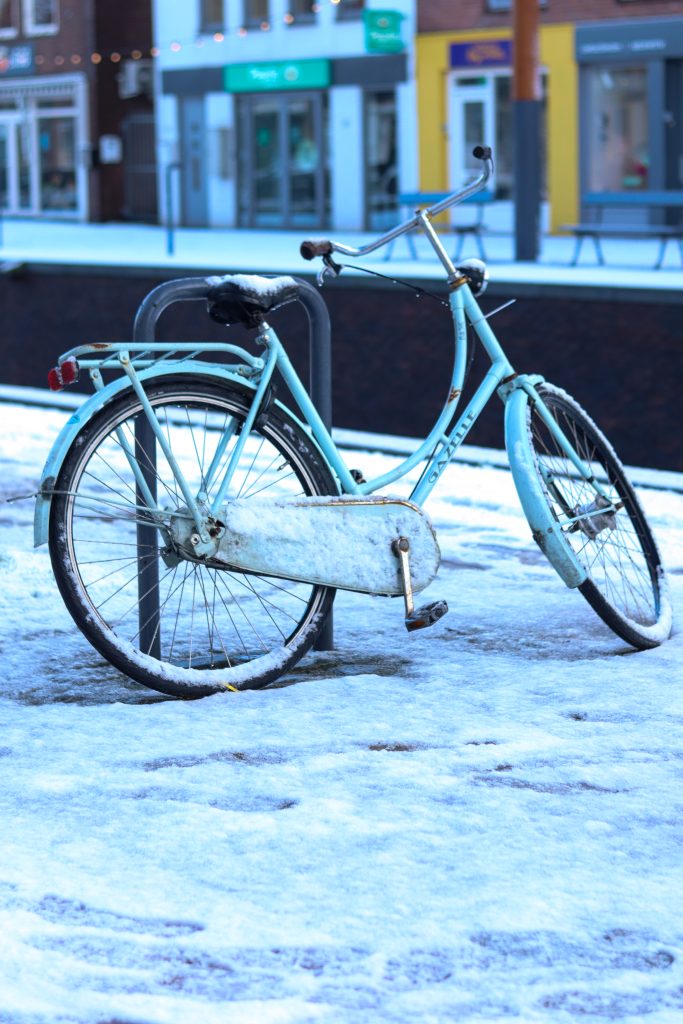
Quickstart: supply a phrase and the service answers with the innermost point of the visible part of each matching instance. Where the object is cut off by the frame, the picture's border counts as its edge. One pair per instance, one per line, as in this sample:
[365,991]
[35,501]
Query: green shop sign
[383,31]
[279,74]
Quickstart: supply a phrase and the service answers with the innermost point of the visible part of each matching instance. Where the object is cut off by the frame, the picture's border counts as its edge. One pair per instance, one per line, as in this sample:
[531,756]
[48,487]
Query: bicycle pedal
[420,618]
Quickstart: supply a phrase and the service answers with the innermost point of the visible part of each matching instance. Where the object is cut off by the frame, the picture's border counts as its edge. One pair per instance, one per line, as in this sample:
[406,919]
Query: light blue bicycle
[198,526]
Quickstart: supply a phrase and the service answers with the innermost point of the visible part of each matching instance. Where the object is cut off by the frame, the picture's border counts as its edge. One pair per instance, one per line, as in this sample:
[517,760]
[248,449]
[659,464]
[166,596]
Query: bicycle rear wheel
[611,538]
[211,628]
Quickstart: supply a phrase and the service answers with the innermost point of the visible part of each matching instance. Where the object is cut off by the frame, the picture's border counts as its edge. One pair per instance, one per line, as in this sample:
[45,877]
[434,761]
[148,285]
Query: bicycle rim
[611,539]
[216,629]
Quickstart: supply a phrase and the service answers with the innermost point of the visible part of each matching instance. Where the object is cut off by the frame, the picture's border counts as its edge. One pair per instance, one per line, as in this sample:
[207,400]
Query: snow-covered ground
[477,823]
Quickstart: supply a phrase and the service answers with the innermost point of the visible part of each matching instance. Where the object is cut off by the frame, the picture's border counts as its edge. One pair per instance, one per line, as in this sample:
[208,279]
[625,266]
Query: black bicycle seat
[247,298]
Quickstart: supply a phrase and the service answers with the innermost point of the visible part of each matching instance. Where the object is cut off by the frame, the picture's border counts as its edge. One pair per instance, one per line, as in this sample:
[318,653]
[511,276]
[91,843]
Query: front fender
[544,527]
[85,413]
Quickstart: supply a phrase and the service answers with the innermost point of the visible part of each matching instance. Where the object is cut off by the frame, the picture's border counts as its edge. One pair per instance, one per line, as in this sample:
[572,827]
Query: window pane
[255,11]
[382,170]
[57,163]
[211,15]
[44,13]
[6,14]
[302,10]
[618,139]
[349,8]
[4,167]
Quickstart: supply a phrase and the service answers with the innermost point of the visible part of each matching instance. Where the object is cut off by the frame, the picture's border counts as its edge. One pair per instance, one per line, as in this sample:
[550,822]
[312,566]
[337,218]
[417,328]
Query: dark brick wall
[444,15]
[622,360]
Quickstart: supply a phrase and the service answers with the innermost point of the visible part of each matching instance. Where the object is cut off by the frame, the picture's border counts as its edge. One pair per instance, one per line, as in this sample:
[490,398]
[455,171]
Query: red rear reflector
[66,373]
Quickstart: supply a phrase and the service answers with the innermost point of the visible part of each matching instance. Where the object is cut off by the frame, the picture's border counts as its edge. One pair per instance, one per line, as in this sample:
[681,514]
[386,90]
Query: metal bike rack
[320,387]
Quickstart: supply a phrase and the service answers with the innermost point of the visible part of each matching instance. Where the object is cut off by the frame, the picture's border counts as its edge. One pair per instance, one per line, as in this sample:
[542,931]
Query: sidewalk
[214,250]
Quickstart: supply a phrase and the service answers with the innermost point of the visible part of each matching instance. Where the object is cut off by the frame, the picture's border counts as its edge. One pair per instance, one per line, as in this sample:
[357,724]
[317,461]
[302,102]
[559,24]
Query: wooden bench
[412,201]
[595,227]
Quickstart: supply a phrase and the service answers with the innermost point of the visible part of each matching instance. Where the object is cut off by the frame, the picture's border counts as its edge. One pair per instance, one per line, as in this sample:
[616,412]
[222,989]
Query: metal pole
[320,354]
[148,544]
[144,328]
[170,219]
[527,128]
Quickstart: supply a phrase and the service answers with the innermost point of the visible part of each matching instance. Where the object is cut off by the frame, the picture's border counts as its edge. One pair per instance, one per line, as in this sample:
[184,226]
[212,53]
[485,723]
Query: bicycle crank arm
[415,618]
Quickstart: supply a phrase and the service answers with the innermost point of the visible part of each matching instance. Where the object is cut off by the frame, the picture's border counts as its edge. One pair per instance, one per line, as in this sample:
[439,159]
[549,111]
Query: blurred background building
[286,113]
[313,113]
[76,109]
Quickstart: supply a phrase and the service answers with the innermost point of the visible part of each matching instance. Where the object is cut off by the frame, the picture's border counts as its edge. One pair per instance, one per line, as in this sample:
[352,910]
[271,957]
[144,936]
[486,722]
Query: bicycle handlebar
[325,247]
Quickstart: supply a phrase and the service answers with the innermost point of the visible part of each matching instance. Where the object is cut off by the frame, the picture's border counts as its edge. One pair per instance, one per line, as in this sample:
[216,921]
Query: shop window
[256,12]
[381,168]
[348,9]
[41,17]
[618,138]
[211,18]
[8,18]
[301,12]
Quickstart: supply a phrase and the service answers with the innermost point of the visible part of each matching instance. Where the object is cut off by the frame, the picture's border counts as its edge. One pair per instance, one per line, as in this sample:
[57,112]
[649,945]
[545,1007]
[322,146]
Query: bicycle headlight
[477,274]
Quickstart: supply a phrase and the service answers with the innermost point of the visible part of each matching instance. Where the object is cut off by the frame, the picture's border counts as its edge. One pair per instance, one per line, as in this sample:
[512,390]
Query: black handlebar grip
[309,250]
[481,152]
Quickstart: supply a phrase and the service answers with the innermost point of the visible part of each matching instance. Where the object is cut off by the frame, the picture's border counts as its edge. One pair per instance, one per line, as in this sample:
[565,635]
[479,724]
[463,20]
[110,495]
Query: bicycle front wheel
[609,536]
[202,629]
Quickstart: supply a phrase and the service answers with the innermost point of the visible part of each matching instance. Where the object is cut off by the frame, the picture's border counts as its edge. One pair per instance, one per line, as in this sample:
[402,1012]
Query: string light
[175,46]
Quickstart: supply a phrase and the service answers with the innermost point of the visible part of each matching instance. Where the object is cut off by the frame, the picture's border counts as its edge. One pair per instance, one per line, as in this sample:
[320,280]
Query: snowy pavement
[629,262]
[478,823]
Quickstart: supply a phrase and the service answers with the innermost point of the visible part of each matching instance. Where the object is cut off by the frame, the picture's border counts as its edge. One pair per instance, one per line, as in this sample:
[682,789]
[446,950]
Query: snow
[476,823]
[629,262]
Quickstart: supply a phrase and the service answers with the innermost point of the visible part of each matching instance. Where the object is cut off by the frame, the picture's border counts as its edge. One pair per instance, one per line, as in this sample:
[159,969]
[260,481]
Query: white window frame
[13,29]
[30,28]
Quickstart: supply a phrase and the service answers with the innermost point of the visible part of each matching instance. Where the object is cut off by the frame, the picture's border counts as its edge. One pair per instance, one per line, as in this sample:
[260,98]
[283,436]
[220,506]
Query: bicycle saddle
[247,298]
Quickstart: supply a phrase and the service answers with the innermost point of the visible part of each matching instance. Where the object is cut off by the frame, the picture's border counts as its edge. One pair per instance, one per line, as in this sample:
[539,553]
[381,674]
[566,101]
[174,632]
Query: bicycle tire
[217,629]
[625,584]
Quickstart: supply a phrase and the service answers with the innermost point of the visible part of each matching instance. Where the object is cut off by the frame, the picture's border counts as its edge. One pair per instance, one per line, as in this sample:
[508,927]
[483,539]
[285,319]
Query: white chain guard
[336,542]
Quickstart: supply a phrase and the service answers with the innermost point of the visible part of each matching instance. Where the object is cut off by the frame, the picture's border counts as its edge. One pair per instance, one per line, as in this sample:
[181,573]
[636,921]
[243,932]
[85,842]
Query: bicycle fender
[544,527]
[85,413]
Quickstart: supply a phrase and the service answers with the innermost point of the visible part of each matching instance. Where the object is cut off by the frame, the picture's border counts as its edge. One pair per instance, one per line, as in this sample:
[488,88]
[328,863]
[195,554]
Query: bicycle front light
[477,274]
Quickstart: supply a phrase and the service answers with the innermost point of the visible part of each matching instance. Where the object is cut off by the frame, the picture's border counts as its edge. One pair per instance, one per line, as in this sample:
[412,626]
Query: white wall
[346,143]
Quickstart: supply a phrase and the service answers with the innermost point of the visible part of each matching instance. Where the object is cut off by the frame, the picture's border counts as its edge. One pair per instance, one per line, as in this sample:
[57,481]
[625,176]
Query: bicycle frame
[436,450]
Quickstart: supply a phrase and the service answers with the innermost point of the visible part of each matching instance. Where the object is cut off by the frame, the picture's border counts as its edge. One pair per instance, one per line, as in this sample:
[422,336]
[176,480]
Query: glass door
[282,176]
[15,165]
[304,171]
[471,123]
[267,198]
[7,199]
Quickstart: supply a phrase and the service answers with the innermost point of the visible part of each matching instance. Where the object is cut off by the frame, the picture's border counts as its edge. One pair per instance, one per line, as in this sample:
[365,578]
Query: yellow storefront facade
[464,97]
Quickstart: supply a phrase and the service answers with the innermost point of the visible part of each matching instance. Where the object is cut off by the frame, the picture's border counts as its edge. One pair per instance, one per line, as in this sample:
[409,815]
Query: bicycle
[197,524]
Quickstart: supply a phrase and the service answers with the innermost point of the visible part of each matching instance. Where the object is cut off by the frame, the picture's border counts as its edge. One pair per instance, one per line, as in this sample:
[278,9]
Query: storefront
[42,143]
[292,144]
[631,102]
[465,99]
